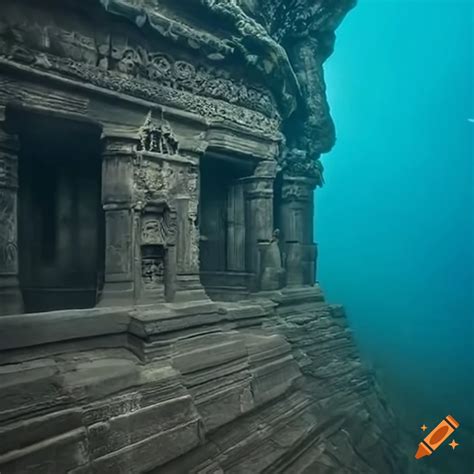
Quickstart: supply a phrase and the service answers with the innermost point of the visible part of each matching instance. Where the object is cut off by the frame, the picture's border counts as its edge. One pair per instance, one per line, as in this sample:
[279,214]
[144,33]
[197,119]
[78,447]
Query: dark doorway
[60,221]
[222,226]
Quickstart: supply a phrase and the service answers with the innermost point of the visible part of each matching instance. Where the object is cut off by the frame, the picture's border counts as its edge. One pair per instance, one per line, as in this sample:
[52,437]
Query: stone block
[150,453]
[135,426]
[55,455]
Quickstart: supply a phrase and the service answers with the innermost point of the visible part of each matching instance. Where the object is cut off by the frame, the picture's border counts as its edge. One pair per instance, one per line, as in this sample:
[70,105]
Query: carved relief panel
[158,229]
[126,62]
[162,174]
[157,138]
[158,226]
[192,178]
[8,237]
[8,203]
[153,264]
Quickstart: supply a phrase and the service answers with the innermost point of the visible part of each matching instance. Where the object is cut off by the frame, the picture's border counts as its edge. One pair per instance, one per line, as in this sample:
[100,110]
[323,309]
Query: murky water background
[395,219]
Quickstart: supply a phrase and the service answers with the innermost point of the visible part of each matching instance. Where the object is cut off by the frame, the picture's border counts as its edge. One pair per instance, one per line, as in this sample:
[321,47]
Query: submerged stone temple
[158,160]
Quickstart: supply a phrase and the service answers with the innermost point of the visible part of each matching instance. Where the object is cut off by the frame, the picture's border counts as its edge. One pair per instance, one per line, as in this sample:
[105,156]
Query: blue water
[394,221]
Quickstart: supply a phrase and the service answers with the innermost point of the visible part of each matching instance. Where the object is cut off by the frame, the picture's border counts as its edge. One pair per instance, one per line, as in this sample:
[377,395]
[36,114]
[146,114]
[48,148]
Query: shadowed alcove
[60,220]
[222,224]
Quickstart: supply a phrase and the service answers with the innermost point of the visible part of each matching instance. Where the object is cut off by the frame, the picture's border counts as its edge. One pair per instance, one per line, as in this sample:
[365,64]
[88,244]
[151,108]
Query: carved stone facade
[159,309]
[122,63]
[9,286]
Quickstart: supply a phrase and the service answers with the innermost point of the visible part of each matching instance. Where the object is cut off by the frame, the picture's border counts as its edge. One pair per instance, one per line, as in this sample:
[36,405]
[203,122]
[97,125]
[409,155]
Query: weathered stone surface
[44,328]
[290,395]
[57,454]
[150,161]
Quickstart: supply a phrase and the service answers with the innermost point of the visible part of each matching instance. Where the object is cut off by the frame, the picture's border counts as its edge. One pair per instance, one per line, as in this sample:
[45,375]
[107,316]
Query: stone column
[258,190]
[117,195]
[11,301]
[236,228]
[296,217]
[188,283]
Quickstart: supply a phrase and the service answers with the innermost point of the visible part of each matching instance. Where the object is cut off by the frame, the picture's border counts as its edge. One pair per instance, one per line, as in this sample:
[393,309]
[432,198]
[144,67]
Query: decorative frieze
[116,63]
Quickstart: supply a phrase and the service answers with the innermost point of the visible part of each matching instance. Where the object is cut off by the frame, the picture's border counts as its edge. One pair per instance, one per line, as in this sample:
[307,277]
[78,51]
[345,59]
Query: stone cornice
[284,41]
[283,48]
[252,43]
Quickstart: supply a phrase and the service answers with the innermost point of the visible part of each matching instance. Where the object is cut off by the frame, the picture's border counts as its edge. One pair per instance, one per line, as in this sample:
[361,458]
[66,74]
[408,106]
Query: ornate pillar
[188,283]
[258,190]
[165,206]
[155,251]
[117,199]
[296,217]
[11,301]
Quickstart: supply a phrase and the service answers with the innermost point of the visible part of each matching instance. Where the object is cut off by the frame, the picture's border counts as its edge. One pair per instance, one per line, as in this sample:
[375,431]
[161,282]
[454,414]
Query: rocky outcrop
[271,385]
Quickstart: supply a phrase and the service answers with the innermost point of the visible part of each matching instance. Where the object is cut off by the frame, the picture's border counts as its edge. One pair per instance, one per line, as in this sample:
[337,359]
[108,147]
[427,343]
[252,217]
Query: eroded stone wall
[268,385]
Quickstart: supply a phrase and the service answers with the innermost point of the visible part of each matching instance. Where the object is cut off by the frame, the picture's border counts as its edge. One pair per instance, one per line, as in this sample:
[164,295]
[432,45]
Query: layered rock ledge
[271,384]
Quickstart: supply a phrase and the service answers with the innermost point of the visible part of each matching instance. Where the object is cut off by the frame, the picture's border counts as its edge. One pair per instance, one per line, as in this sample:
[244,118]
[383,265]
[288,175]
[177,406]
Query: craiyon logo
[437,437]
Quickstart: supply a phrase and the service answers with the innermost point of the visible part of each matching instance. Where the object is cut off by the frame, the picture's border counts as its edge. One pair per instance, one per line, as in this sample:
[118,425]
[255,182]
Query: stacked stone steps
[271,384]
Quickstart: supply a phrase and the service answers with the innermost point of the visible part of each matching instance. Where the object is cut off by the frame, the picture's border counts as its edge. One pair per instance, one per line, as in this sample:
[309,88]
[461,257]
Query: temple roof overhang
[284,42]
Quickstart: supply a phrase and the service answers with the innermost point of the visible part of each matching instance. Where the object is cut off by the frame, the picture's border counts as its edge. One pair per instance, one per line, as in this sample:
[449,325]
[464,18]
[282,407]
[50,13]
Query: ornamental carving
[8,160]
[112,63]
[183,75]
[150,180]
[194,263]
[157,138]
[297,190]
[160,180]
[8,172]
[152,272]
[192,180]
[8,246]
[297,163]
[154,232]
[158,229]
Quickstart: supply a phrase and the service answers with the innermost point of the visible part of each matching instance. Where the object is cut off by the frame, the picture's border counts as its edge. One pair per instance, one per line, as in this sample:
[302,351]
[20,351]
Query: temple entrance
[222,226]
[60,220]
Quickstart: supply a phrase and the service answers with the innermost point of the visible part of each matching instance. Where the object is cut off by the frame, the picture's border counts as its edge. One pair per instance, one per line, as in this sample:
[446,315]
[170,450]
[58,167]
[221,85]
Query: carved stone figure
[8,245]
[157,138]
[152,272]
[273,272]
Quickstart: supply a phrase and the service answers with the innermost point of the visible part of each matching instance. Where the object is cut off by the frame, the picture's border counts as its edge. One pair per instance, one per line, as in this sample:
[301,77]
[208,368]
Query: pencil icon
[437,437]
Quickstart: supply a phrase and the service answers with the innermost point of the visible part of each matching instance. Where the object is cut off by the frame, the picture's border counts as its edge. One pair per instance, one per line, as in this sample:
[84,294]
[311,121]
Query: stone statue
[273,273]
[274,250]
